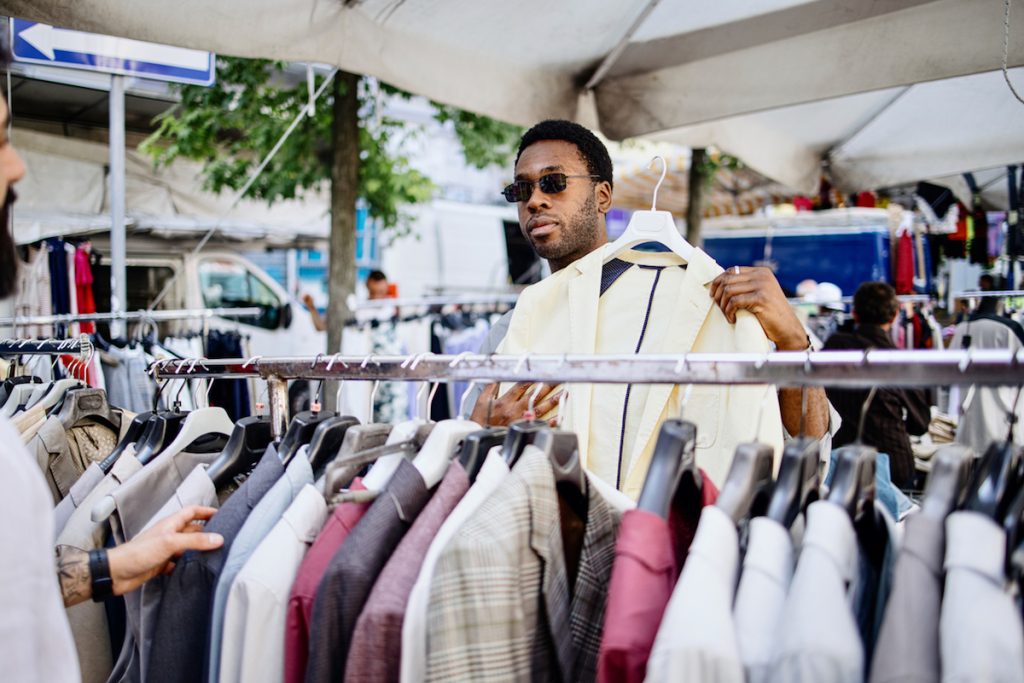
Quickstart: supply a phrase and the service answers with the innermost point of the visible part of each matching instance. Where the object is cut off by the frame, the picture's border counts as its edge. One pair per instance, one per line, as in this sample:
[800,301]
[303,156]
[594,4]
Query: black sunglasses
[552,183]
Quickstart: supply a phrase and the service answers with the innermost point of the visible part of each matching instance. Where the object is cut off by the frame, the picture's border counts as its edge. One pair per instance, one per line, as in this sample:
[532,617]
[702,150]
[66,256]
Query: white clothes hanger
[20,394]
[56,393]
[433,459]
[199,423]
[652,226]
[381,471]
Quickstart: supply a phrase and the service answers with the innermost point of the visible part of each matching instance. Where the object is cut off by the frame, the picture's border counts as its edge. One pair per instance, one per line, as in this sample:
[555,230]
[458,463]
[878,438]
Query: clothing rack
[980,294]
[47,347]
[129,316]
[850,369]
[493,299]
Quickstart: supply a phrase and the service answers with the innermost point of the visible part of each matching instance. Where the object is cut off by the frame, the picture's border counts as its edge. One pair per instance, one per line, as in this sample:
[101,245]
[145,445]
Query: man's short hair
[592,150]
[376,276]
[875,303]
[986,283]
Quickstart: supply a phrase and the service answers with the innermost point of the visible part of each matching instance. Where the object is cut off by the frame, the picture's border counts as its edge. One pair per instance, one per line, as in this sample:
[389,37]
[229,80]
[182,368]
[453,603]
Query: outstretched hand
[154,550]
[494,411]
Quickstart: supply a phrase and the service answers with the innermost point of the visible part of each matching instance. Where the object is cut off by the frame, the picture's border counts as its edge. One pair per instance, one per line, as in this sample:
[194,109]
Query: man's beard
[8,254]
[580,233]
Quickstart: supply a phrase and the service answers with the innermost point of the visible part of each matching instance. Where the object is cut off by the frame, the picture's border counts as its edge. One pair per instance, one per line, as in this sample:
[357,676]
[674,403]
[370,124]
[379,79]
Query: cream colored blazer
[560,315]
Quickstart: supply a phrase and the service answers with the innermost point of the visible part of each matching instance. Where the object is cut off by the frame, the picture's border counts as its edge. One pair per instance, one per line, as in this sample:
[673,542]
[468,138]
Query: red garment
[83,288]
[905,264]
[866,200]
[802,203]
[649,557]
[300,604]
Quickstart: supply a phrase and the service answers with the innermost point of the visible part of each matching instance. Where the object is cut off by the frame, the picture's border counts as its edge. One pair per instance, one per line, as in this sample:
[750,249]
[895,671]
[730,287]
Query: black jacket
[884,425]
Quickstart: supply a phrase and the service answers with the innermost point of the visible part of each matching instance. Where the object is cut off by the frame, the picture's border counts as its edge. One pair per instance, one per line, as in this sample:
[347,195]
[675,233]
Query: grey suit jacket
[908,643]
[500,605]
[181,635]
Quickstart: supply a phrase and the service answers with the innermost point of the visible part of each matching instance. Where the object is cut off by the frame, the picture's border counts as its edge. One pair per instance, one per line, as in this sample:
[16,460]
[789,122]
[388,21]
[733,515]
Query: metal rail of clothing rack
[851,369]
[153,316]
[491,300]
[80,345]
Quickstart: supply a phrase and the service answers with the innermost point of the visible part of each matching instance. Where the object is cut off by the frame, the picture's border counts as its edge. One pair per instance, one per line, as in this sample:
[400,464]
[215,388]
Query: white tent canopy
[784,84]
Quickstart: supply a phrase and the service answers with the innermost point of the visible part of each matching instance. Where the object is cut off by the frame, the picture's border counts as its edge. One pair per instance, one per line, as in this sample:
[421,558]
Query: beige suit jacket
[565,313]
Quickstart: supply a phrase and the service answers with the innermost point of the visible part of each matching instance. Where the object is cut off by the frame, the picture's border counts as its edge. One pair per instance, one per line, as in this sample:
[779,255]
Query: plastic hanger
[433,459]
[948,481]
[300,431]
[56,393]
[327,440]
[562,449]
[476,446]
[17,398]
[246,445]
[674,456]
[853,484]
[522,433]
[131,435]
[197,424]
[88,404]
[999,475]
[652,226]
[161,429]
[380,473]
[798,481]
[9,384]
[748,483]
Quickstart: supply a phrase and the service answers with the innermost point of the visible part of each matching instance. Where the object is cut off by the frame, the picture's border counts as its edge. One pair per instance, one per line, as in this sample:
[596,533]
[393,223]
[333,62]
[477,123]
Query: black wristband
[99,573]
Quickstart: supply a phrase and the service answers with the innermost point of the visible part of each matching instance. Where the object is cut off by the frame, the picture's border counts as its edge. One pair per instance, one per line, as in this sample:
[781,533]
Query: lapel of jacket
[584,292]
[691,308]
[546,541]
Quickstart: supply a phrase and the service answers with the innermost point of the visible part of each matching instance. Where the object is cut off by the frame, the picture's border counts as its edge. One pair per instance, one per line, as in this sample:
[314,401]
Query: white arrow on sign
[46,39]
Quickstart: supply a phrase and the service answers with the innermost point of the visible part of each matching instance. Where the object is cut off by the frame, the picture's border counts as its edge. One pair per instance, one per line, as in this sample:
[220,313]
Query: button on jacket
[761,596]
[88,619]
[697,637]
[181,634]
[414,626]
[565,313]
[257,525]
[908,644]
[350,576]
[254,619]
[300,603]
[35,641]
[649,556]
[501,608]
[981,634]
[819,639]
[376,650]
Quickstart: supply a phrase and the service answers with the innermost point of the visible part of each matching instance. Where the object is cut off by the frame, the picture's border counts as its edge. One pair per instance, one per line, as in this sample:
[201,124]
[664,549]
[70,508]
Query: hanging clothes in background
[83,285]
[60,292]
[904,279]
[230,394]
[979,241]
[74,329]
[127,382]
[33,295]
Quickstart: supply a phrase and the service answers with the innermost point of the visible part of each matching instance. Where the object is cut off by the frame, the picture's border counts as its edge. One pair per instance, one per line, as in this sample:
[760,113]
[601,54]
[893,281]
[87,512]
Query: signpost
[44,44]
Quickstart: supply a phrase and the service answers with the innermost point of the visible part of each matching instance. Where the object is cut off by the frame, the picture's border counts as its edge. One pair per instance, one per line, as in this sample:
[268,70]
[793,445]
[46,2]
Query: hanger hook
[664,172]
[561,410]
[685,399]
[864,412]
[373,396]
[408,359]
[460,358]
[473,384]
[336,359]
[531,407]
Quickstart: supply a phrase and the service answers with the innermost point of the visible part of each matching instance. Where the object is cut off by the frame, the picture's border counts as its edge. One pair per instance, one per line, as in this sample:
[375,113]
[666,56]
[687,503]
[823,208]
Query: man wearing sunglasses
[563,190]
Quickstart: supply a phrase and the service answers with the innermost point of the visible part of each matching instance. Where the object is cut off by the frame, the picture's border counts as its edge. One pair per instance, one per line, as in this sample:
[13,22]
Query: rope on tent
[1006,50]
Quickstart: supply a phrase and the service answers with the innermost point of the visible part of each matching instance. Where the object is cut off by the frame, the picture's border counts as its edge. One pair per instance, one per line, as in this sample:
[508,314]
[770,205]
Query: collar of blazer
[693,302]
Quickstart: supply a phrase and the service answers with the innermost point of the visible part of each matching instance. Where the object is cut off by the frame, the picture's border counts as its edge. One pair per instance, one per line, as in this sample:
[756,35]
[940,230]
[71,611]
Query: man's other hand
[755,289]
[154,550]
[494,411]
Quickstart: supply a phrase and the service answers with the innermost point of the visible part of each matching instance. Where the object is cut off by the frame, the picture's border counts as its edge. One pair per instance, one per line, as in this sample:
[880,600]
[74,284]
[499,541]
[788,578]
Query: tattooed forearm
[74,576]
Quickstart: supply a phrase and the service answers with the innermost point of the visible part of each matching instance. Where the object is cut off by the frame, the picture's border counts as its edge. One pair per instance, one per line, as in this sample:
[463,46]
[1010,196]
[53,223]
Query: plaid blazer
[500,604]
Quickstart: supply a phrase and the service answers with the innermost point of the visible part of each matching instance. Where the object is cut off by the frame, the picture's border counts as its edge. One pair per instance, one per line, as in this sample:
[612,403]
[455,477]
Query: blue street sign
[44,44]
